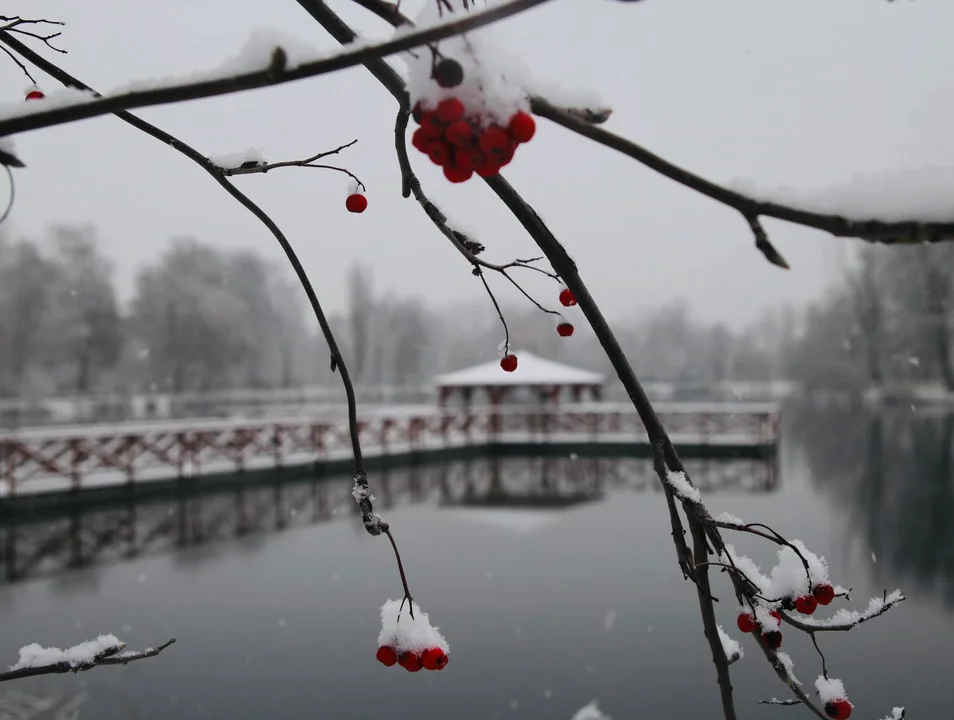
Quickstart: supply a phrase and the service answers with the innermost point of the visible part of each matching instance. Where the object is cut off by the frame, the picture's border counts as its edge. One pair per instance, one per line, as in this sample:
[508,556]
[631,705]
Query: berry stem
[407,590]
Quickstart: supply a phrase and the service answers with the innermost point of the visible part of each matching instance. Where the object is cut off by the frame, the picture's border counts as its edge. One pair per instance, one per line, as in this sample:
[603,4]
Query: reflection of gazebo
[544,379]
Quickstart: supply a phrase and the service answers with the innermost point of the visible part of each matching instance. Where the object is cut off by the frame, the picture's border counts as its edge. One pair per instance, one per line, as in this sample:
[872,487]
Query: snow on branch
[844,620]
[856,209]
[104,650]
[262,64]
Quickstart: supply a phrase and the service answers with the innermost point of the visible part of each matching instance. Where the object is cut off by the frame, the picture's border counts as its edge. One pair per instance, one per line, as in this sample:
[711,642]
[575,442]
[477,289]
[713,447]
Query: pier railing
[56,458]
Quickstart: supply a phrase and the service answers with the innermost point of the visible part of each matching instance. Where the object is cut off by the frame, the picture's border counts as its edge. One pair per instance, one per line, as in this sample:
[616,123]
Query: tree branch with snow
[104,650]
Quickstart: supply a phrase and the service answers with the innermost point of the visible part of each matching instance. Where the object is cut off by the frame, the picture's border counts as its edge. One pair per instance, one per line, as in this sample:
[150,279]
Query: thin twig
[13,194]
[397,555]
[253,167]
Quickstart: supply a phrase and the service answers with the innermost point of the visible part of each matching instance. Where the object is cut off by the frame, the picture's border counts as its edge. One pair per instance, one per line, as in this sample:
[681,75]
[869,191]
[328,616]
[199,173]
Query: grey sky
[799,92]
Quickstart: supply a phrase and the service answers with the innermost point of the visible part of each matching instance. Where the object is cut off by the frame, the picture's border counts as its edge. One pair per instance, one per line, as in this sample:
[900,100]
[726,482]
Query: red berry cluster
[430,659]
[459,144]
[838,709]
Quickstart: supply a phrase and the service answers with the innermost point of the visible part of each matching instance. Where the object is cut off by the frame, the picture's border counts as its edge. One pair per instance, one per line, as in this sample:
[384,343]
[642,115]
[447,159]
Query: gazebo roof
[531,370]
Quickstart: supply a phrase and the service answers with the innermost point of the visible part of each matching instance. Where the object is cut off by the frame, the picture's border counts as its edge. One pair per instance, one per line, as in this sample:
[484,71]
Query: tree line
[203,318]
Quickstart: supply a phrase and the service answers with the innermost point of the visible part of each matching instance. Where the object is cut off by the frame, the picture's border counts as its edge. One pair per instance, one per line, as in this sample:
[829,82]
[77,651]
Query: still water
[273,593]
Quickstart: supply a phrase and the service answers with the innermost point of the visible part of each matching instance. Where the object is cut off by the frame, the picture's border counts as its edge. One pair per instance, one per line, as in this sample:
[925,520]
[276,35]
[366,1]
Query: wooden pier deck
[74,458]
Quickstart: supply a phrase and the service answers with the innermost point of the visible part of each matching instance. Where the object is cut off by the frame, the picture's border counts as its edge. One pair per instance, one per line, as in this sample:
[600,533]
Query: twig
[397,556]
[774,701]
[112,655]
[20,65]
[876,609]
[907,232]
[275,74]
[253,167]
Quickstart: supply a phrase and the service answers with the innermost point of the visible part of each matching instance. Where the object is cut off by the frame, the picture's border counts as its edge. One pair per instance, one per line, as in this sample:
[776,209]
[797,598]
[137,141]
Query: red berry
[35,95]
[386,656]
[420,140]
[509,363]
[773,639]
[431,127]
[410,661]
[439,152]
[433,659]
[418,112]
[356,203]
[746,622]
[775,614]
[488,168]
[450,110]
[468,158]
[507,155]
[522,127]
[456,174]
[565,329]
[806,604]
[824,593]
[838,709]
[495,142]
[566,298]
[459,133]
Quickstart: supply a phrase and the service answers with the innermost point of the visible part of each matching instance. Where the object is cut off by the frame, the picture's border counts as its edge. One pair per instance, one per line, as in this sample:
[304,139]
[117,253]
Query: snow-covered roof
[531,370]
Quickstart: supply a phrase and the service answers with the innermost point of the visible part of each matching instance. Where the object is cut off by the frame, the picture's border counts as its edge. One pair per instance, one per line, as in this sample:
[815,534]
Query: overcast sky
[798,92]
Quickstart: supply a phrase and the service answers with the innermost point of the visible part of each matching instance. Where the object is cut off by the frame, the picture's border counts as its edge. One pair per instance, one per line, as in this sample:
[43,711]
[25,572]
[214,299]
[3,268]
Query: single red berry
[448,73]
[806,604]
[35,95]
[565,329]
[824,593]
[420,140]
[410,661]
[775,614]
[509,363]
[386,656]
[838,709]
[495,142]
[439,152]
[746,622]
[522,126]
[773,639]
[566,298]
[431,126]
[468,158]
[418,112]
[459,133]
[456,174]
[433,659]
[450,110]
[356,203]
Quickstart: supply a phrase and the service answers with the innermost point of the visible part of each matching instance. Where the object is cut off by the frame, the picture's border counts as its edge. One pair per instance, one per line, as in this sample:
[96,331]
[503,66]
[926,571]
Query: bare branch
[907,232]
[276,73]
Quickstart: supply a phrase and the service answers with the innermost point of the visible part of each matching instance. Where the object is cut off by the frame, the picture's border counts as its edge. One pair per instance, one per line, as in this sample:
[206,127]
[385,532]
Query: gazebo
[543,379]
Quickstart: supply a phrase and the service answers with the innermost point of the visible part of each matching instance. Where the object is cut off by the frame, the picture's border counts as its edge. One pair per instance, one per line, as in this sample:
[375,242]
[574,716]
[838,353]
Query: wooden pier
[73,458]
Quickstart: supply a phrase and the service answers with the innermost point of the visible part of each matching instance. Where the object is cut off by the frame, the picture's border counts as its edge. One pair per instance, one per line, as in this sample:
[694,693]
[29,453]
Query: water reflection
[89,536]
[892,472]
